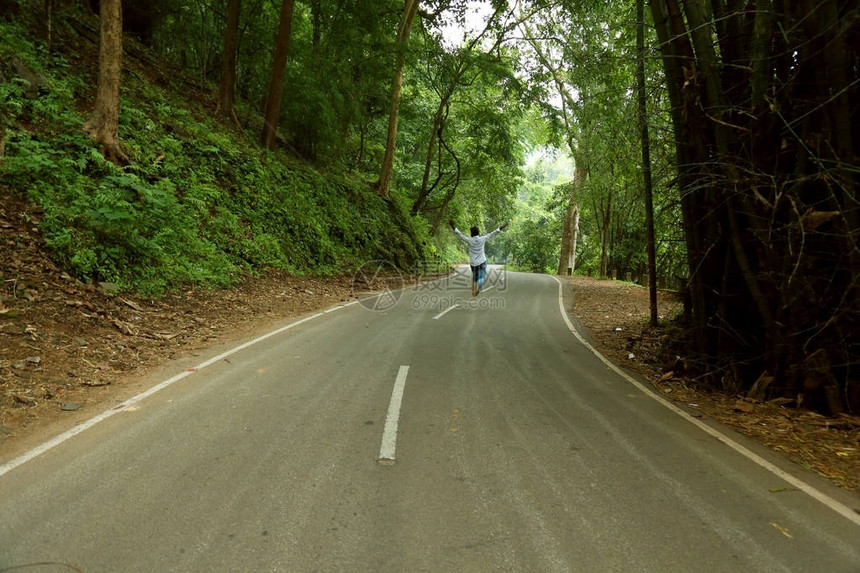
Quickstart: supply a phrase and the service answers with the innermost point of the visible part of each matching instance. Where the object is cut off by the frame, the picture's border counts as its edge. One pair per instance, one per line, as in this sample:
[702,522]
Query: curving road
[435,433]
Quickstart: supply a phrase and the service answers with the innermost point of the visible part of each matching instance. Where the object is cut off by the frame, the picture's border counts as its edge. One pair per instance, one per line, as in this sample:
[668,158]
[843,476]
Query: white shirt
[476,246]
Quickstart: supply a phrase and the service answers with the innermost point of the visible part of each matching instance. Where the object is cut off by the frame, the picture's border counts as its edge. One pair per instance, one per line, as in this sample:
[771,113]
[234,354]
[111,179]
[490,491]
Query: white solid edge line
[59,439]
[389,435]
[833,504]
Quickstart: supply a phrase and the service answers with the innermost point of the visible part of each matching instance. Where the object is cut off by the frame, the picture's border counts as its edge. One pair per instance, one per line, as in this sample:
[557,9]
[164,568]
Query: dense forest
[707,146]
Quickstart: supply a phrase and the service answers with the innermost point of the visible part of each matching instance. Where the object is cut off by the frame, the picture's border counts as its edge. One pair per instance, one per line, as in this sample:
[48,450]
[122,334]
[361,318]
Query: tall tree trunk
[678,65]
[564,266]
[570,231]
[827,18]
[279,65]
[731,207]
[605,213]
[409,11]
[569,237]
[646,159]
[761,54]
[103,124]
[574,232]
[49,23]
[227,91]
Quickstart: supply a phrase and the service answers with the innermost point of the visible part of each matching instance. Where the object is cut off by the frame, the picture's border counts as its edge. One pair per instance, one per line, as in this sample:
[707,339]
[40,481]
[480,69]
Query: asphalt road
[442,433]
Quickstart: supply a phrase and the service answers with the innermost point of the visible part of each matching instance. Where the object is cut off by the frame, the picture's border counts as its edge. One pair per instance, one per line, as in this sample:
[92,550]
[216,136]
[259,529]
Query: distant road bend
[435,433]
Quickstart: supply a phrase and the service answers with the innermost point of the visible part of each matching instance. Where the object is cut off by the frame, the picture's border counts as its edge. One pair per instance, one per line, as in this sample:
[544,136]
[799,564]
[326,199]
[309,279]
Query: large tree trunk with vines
[767,143]
[103,124]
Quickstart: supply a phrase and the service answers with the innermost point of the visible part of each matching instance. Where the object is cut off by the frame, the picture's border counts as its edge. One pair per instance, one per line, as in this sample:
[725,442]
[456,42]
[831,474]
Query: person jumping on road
[477,258]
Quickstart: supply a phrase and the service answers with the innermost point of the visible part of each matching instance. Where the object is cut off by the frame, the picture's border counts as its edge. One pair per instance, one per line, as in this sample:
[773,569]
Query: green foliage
[533,245]
[533,241]
[199,204]
[461,101]
[595,126]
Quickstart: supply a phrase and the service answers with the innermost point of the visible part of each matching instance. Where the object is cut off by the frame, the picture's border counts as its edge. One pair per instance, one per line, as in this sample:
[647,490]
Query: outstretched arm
[457,231]
[492,234]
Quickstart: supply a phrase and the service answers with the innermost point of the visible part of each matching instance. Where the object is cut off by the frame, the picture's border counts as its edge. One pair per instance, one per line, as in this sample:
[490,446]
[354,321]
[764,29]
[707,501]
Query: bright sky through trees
[475,15]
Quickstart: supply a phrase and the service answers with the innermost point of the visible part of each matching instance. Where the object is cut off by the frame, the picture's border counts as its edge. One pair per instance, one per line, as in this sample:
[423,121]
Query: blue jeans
[479,274]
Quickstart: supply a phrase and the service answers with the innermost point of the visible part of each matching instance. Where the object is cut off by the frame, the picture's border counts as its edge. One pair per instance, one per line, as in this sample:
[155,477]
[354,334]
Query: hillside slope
[200,204]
